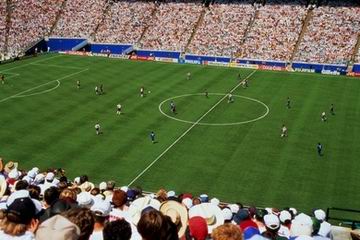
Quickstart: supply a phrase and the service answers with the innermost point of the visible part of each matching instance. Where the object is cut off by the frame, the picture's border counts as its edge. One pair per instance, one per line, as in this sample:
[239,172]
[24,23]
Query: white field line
[33,88]
[24,65]
[188,130]
[42,92]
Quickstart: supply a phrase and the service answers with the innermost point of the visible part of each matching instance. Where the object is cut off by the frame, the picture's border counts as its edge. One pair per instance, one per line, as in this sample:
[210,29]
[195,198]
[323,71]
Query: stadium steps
[356,49]
[304,28]
[152,15]
[195,28]
[58,15]
[7,27]
[105,13]
[249,26]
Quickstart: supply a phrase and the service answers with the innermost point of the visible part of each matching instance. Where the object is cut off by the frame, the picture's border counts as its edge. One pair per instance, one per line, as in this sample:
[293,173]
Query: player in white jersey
[96,90]
[323,117]
[188,76]
[118,107]
[97,128]
[142,92]
[284,131]
[230,98]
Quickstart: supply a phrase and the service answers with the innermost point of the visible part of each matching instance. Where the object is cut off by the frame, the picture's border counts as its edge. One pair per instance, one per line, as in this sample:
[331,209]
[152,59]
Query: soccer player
[284,131]
[78,84]
[96,90]
[206,93]
[323,117]
[288,105]
[118,109]
[230,98]
[142,92]
[173,107]
[152,137]
[2,79]
[332,111]
[246,82]
[239,76]
[188,76]
[97,128]
[319,148]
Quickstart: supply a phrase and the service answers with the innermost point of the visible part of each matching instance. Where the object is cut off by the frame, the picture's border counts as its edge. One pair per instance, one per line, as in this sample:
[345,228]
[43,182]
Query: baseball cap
[101,208]
[21,210]
[271,221]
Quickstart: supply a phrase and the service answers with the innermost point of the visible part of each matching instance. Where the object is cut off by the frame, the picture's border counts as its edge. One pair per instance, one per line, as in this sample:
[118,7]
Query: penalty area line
[189,129]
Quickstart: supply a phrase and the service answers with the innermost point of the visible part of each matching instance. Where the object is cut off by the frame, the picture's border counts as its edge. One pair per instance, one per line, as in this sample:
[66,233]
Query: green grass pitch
[47,122]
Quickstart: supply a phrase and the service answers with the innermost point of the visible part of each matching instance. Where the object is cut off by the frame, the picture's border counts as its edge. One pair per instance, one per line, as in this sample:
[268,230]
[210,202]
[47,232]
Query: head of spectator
[196,201]
[62,185]
[153,225]
[83,218]
[302,225]
[85,199]
[242,217]
[177,213]
[110,185]
[119,199]
[87,186]
[197,229]
[272,224]
[19,217]
[137,207]
[101,210]
[227,231]
[82,179]
[95,191]
[34,192]
[21,185]
[51,195]
[10,166]
[3,186]
[161,195]
[59,228]
[117,230]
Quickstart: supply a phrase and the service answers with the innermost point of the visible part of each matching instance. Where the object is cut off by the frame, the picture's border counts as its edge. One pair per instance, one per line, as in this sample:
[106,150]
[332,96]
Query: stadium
[179,119]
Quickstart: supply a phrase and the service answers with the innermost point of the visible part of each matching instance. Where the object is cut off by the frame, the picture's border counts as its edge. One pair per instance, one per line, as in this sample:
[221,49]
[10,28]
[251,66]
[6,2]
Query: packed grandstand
[45,204]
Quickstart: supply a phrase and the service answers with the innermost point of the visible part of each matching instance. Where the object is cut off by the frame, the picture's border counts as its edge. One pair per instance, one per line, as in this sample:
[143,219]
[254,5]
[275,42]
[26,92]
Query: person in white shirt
[118,107]
[284,131]
[97,128]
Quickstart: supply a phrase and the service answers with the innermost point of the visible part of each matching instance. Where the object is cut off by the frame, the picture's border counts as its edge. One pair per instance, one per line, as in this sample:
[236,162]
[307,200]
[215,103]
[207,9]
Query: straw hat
[211,213]
[10,166]
[1,164]
[178,214]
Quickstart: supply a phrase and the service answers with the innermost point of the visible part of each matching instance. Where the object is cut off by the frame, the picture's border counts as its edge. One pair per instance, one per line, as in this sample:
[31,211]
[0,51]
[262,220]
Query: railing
[348,217]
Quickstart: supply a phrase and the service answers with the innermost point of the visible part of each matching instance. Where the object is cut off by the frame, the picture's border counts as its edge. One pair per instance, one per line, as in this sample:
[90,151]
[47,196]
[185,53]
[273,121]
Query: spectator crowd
[172,25]
[30,21]
[80,18]
[331,35]
[224,28]
[40,205]
[125,22]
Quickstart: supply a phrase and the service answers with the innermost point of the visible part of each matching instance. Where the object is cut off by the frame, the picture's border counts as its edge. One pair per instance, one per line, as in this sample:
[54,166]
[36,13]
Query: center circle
[214,124]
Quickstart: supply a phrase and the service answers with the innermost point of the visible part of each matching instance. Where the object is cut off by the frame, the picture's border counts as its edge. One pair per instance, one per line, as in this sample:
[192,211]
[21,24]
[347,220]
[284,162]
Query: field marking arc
[44,84]
[215,124]
[188,130]
[42,92]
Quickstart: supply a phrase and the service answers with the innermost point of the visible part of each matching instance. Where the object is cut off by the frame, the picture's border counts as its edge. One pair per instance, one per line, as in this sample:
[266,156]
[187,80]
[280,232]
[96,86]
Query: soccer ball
[149,91]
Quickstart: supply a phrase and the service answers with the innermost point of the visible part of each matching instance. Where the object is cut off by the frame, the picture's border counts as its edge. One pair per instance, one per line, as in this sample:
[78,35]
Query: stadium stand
[47,203]
[222,29]
[274,32]
[171,26]
[2,25]
[331,35]
[30,21]
[80,18]
[125,22]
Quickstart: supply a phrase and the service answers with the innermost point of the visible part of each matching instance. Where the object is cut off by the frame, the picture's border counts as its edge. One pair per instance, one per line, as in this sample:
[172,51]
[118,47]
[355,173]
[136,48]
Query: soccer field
[229,150]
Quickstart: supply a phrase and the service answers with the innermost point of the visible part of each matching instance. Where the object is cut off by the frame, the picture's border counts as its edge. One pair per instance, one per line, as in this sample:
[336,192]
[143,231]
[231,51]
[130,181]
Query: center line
[188,130]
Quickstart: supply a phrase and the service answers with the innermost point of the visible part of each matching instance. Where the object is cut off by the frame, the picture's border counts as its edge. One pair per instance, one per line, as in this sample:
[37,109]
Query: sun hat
[234,208]
[87,186]
[14,174]
[271,221]
[58,228]
[84,199]
[198,228]
[215,201]
[1,164]
[102,186]
[187,202]
[211,213]
[301,225]
[10,166]
[178,214]
[139,204]
[227,214]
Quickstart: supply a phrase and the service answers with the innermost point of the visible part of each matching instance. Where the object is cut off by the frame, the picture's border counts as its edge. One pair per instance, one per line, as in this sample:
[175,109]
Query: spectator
[58,228]
[117,230]
[83,218]
[227,232]
[101,210]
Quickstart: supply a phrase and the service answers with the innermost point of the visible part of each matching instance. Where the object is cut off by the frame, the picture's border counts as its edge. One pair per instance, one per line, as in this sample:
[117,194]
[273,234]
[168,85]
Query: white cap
[320,214]
[187,202]
[271,221]
[215,201]
[35,169]
[31,174]
[284,215]
[50,176]
[124,188]
[234,208]
[84,199]
[14,174]
[101,208]
[39,178]
[77,180]
[102,186]
[170,194]
[228,215]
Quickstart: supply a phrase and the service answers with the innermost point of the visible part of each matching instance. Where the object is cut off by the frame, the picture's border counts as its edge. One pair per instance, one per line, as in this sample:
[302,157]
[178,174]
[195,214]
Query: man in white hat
[325,227]
[101,210]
